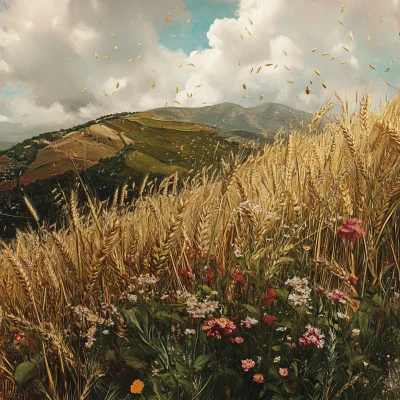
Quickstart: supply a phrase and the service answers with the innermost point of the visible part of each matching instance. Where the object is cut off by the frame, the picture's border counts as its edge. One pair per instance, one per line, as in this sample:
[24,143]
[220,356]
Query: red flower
[124,277]
[130,264]
[193,253]
[351,230]
[238,277]
[270,319]
[210,278]
[185,274]
[213,257]
[270,298]
[18,336]
[352,280]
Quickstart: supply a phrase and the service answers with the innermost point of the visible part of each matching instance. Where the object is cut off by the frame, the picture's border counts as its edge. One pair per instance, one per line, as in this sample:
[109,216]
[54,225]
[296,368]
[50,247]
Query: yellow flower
[137,386]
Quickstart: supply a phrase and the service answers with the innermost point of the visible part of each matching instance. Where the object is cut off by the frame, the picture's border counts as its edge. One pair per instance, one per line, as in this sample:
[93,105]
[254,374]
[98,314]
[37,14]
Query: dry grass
[293,194]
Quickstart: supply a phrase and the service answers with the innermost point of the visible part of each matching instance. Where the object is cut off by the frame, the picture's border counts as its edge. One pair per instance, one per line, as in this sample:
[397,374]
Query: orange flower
[258,378]
[137,386]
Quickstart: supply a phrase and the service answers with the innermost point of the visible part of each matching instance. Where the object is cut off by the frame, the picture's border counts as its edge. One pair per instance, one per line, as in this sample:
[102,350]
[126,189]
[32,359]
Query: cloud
[47,51]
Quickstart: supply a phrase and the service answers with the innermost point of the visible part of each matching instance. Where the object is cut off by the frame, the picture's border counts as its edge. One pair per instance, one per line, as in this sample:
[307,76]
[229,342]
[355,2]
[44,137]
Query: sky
[160,51]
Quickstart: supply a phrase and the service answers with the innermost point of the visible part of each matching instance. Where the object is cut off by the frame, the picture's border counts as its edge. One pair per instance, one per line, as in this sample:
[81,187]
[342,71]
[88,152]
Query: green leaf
[274,372]
[282,293]
[109,355]
[206,289]
[276,348]
[287,388]
[25,372]
[201,361]
[135,363]
[296,370]
[185,384]
[251,309]
[273,388]
[165,315]
[377,299]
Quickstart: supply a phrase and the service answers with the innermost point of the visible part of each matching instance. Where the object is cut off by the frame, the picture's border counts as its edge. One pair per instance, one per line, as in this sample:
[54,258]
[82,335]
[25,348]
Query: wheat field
[280,207]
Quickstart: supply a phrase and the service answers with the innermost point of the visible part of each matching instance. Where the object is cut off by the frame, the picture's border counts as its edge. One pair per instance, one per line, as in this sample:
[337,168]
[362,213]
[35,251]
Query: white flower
[164,296]
[355,332]
[365,364]
[190,332]
[341,315]
[249,322]
[277,359]
[105,332]
[132,298]
[282,329]
[289,338]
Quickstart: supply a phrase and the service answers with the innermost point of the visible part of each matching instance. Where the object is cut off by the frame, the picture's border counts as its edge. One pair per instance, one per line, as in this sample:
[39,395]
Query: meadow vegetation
[276,278]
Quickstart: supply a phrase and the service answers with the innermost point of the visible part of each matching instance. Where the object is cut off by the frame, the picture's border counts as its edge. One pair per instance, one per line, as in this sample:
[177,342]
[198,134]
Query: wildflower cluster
[301,293]
[218,327]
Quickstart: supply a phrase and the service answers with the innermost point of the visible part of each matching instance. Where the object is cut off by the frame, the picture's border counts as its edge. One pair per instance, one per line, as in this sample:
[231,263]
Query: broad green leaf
[135,363]
[25,372]
[109,355]
[282,293]
[251,309]
[201,361]
[273,388]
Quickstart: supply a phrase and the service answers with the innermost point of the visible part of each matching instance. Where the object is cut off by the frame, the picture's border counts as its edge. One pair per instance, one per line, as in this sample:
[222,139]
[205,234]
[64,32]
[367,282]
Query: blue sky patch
[179,35]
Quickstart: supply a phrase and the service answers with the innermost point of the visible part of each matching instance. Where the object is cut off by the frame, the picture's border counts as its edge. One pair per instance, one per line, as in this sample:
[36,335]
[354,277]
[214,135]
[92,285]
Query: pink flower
[304,343]
[314,336]
[337,296]
[351,230]
[259,378]
[283,372]
[249,322]
[248,364]
[237,340]
[216,327]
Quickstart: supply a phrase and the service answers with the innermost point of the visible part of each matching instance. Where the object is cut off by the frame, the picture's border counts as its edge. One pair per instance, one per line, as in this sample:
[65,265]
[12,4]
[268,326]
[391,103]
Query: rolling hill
[107,153]
[267,118]
[123,148]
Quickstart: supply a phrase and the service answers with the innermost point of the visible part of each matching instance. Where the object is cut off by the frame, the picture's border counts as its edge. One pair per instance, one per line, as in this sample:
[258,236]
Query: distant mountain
[6,145]
[267,118]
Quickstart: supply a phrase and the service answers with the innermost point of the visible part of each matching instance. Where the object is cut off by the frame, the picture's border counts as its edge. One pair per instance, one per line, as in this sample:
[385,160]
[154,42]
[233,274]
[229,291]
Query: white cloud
[3,118]
[47,50]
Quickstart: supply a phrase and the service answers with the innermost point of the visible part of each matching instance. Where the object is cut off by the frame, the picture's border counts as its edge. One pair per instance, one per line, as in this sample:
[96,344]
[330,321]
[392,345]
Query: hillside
[147,141]
[108,153]
[269,117]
